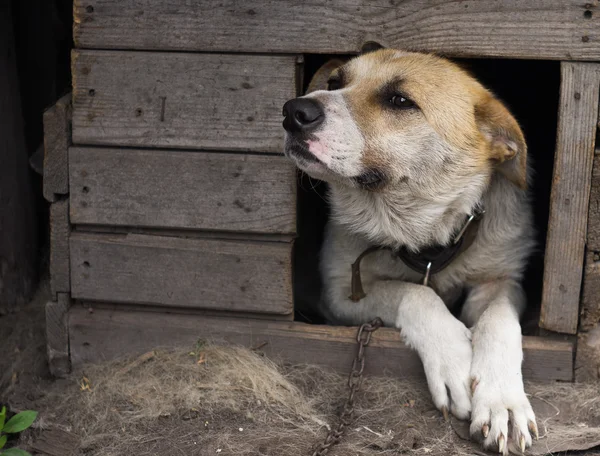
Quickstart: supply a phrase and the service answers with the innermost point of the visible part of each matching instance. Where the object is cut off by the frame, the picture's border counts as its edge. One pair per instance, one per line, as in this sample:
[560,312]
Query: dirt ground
[208,400]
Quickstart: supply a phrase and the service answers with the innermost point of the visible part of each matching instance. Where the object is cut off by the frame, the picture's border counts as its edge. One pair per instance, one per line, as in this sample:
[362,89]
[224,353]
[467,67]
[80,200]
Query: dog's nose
[302,115]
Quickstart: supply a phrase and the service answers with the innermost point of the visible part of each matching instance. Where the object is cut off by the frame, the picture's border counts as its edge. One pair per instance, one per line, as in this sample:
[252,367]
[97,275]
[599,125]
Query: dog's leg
[502,418]
[442,341]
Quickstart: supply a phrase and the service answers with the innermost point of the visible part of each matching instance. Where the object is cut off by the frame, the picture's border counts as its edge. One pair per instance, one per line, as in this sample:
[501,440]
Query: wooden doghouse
[173,212]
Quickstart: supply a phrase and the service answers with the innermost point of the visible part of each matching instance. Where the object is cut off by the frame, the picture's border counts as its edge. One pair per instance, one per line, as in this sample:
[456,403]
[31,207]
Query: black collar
[427,261]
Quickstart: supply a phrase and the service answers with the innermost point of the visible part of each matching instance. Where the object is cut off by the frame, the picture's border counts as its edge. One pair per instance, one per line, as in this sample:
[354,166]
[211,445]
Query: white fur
[431,187]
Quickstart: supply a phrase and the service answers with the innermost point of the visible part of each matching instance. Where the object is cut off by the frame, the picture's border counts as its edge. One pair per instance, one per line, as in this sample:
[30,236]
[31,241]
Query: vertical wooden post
[18,230]
[60,230]
[569,201]
[57,139]
[57,335]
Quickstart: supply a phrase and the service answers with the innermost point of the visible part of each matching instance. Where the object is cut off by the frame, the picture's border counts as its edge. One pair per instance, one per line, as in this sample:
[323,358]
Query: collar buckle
[475,215]
[427,273]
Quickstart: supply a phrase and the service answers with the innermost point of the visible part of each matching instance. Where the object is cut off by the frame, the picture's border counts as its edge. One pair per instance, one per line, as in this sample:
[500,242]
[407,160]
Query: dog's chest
[384,265]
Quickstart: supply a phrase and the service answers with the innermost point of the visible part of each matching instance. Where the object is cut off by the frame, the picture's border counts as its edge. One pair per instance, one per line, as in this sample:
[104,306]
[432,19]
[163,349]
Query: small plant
[16,424]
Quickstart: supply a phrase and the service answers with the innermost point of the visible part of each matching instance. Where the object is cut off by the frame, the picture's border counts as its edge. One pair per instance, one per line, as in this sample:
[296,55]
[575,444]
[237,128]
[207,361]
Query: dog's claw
[522,444]
[501,443]
[485,430]
[445,413]
[533,429]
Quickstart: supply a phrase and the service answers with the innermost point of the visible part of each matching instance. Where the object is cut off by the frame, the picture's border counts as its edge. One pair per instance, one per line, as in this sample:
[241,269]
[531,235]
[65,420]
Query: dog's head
[391,117]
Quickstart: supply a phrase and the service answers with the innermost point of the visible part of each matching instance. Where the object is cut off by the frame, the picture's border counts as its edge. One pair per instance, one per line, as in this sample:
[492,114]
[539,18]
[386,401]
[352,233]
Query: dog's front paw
[502,418]
[447,363]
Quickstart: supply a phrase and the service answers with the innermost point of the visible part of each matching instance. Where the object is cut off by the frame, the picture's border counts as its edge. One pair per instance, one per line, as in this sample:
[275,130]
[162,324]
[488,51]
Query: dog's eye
[334,84]
[401,101]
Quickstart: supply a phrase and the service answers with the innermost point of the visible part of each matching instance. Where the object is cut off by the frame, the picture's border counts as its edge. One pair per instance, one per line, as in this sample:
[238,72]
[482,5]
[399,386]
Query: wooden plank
[57,138]
[569,200]
[56,442]
[593,233]
[587,362]
[201,273]
[535,29]
[590,303]
[107,334]
[60,229]
[57,335]
[188,190]
[179,100]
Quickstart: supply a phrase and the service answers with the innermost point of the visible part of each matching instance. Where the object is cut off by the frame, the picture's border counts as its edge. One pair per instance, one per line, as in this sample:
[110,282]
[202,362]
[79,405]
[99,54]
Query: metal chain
[355,378]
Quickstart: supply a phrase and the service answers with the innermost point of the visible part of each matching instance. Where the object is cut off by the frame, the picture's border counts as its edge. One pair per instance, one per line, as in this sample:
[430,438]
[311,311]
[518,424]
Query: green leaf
[15,452]
[20,422]
[2,417]
[2,441]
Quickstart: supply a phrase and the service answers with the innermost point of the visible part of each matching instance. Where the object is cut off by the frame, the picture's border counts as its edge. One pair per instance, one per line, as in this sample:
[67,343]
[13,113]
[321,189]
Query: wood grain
[187,190]
[593,235]
[57,138]
[200,273]
[57,335]
[538,29]
[590,303]
[569,200]
[587,361]
[60,229]
[181,100]
[108,334]
[56,442]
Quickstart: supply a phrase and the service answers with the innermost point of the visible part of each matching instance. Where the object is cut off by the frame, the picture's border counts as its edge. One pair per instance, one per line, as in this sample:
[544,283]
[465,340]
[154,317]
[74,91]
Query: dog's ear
[320,78]
[370,46]
[506,143]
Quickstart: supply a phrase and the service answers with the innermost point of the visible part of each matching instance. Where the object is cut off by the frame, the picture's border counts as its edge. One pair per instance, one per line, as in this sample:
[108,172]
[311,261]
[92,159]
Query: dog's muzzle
[302,115]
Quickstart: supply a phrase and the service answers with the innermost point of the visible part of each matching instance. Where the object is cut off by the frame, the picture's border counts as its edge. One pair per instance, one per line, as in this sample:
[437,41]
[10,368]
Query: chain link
[363,337]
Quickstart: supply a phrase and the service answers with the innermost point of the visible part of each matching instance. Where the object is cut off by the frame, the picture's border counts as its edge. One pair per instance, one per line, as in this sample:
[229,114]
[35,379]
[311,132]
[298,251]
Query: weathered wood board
[57,335]
[60,229]
[181,100]
[57,138]
[200,273]
[587,363]
[569,200]
[537,29]
[593,239]
[53,441]
[186,190]
[590,303]
[107,334]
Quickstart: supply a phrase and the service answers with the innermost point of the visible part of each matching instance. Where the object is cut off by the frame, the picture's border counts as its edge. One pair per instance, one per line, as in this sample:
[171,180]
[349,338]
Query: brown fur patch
[451,101]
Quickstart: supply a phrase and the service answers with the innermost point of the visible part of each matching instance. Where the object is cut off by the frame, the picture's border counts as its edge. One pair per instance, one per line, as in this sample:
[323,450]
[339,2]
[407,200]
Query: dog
[428,177]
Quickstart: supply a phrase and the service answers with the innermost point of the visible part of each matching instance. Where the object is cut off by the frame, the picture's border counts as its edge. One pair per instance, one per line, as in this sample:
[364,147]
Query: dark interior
[530,89]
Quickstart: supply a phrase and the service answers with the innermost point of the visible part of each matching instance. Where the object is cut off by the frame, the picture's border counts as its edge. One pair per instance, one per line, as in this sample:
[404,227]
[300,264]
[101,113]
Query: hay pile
[232,401]
[212,400]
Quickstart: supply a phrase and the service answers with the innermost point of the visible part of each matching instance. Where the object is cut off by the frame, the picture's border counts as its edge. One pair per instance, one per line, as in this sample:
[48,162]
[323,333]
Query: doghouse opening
[530,89]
